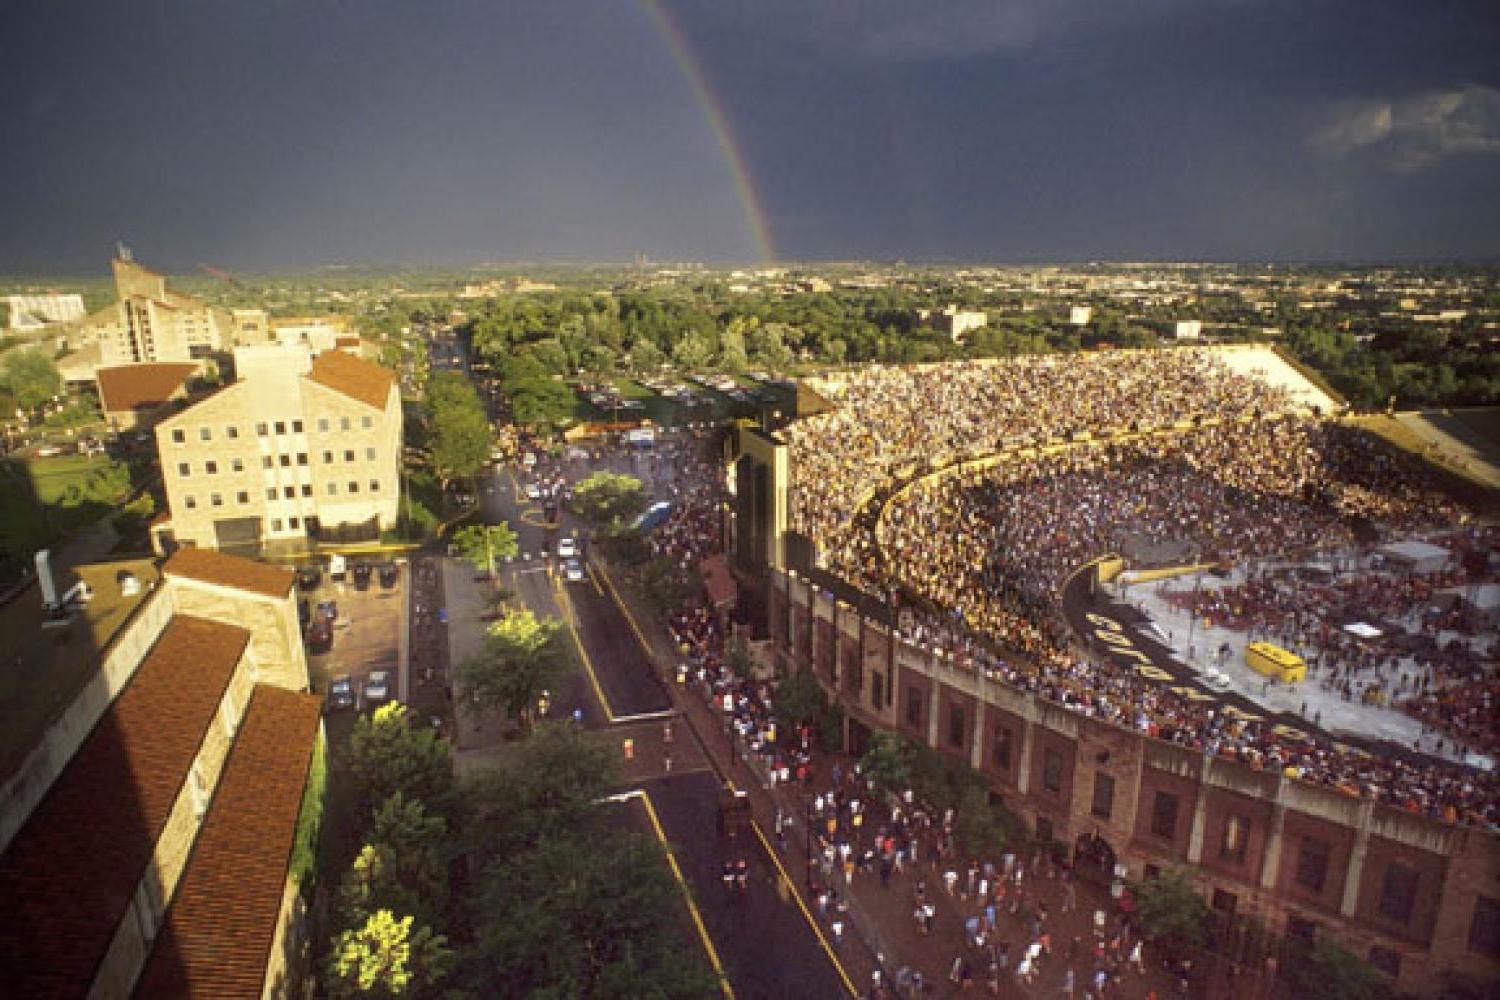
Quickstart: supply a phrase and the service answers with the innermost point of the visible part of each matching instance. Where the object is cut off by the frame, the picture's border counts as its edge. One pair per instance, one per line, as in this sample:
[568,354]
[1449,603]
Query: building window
[294,523]
[1225,902]
[333,488]
[349,455]
[1232,847]
[301,458]
[323,424]
[212,468]
[205,434]
[353,487]
[261,428]
[266,462]
[1052,771]
[307,489]
[366,422]
[217,499]
[296,429]
[1398,893]
[913,706]
[1104,795]
[1312,864]
[190,502]
[1300,929]
[184,469]
[1484,928]
[275,524]
[289,491]
[1164,816]
[232,432]
[369,454]
[955,725]
[343,423]
[281,427]
[1001,751]
[237,464]
[374,486]
[1386,960]
[327,458]
[178,437]
[877,689]
[242,497]
[270,493]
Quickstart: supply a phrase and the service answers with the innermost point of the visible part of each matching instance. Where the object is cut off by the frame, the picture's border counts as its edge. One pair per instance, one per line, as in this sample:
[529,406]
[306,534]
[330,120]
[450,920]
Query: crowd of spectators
[979,555]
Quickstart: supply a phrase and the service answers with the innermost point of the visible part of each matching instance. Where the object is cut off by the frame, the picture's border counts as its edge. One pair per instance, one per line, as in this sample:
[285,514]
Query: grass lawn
[26,486]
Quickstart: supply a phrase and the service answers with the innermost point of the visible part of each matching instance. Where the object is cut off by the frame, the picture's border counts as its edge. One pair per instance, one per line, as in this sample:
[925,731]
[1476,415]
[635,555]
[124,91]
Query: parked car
[567,548]
[573,570]
[341,693]
[328,610]
[362,576]
[308,578]
[378,687]
[319,636]
[389,573]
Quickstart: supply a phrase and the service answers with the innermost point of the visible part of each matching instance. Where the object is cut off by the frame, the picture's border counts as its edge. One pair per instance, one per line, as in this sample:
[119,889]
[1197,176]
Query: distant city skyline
[278,135]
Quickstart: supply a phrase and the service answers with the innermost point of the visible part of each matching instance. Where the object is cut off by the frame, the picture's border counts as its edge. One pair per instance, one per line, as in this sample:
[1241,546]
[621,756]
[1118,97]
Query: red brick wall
[1219,806]
[1173,851]
[996,719]
[1340,840]
[1430,870]
[947,699]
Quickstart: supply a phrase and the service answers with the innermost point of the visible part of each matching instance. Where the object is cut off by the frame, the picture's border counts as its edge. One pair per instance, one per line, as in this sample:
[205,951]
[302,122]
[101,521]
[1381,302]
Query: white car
[378,687]
[567,548]
[533,492]
[1216,680]
[573,570]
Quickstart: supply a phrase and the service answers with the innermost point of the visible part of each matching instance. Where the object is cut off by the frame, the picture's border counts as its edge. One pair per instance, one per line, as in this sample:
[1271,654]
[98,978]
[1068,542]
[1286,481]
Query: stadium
[1179,610]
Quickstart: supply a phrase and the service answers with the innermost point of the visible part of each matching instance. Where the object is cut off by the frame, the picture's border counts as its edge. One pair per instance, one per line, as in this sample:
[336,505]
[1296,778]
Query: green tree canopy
[1334,972]
[388,755]
[386,957]
[460,436]
[481,545]
[522,656]
[1171,912]
[609,497]
[30,376]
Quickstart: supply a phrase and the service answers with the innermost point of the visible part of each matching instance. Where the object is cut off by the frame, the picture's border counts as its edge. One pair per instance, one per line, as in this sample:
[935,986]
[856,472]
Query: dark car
[389,572]
[319,636]
[361,576]
[308,577]
[328,610]
[341,693]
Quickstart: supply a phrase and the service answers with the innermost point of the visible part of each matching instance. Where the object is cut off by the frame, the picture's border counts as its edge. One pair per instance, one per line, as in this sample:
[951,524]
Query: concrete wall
[275,634]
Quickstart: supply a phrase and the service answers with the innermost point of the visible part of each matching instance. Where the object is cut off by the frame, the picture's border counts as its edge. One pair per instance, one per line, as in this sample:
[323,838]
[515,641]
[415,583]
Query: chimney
[44,576]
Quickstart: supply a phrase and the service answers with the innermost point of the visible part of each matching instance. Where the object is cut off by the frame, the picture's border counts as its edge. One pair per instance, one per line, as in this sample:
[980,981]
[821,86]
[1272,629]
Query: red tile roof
[218,933]
[225,570]
[354,377]
[69,875]
[130,387]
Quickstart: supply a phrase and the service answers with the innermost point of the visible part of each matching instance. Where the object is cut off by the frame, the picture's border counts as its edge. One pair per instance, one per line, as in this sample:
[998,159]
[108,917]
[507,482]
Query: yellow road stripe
[687,894]
[588,664]
[792,891]
[629,618]
[594,579]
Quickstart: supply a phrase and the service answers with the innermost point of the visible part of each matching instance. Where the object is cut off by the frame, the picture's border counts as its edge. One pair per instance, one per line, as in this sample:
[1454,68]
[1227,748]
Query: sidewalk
[883,933]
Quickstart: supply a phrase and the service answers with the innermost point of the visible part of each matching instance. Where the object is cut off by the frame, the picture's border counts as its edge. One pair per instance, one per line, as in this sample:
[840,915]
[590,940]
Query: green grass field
[40,497]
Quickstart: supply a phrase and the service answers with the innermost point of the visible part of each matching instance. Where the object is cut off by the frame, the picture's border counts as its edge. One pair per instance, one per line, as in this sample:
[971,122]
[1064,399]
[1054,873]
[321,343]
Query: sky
[282,134]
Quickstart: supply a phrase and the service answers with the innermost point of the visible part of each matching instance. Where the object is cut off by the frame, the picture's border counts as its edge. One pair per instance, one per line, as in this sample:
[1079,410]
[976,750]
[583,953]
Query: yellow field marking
[687,894]
[811,922]
[588,664]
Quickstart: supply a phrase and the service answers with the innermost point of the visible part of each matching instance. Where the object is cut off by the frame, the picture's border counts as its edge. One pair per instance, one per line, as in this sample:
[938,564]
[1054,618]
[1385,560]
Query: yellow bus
[1274,662]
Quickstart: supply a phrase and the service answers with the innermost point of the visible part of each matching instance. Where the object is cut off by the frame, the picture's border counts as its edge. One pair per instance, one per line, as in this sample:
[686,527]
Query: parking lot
[365,630]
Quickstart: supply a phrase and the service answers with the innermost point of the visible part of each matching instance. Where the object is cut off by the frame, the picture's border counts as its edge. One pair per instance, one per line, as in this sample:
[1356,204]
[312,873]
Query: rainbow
[718,123]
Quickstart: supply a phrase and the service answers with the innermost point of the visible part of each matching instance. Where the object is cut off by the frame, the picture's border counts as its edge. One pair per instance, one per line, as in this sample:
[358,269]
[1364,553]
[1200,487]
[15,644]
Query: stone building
[1418,898]
[300,449]
[146,833]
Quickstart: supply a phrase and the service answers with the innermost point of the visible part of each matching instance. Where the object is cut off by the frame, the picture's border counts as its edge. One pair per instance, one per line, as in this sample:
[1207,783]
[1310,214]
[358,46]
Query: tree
[30,376]
[888,762]
[1332,971]
[384,957]
[460,443]
[387,755]
[522,657]
[1171,912]
[579,915]
[481,544]
[609,497]
[693,350]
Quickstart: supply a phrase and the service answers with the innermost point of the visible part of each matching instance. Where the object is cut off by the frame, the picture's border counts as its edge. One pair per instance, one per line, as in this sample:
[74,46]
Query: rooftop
[218,933]
[42,670]
[354,377]
[128,387]
[224,570]
[70,874]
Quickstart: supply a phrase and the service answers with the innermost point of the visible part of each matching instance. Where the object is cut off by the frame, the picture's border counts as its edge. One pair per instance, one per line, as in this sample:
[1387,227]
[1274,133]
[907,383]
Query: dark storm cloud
[263,133]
